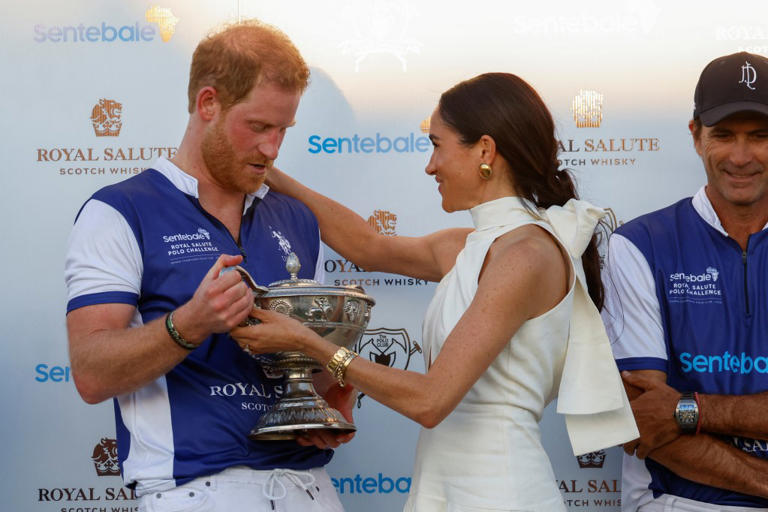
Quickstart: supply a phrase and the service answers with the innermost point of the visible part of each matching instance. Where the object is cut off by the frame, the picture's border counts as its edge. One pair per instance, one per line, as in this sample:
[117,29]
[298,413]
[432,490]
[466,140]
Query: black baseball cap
[730,84]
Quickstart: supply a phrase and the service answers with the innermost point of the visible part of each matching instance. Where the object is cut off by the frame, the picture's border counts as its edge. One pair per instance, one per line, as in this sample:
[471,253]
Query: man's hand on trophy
[219,303]
[276,332]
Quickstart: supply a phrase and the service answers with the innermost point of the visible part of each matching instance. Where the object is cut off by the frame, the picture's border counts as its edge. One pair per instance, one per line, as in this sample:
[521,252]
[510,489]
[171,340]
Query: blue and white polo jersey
[682,297]
[147,242]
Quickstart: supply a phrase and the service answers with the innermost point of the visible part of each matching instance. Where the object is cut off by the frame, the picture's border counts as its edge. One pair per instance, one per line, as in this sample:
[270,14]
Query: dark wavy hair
[506,108]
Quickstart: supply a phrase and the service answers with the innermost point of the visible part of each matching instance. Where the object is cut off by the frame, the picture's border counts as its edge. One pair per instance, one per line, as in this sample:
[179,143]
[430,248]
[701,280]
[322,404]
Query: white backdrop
[628,67]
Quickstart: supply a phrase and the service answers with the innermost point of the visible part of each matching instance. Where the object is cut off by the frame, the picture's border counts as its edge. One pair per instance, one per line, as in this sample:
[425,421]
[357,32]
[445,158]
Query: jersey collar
[188,185]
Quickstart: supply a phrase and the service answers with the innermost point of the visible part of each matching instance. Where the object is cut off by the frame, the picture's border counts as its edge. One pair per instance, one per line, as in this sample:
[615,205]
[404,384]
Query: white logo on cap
[748,75]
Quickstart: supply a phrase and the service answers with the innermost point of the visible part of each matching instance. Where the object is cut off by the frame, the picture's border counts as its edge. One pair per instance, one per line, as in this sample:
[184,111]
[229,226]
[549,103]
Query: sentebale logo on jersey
[726,362]
[748,75]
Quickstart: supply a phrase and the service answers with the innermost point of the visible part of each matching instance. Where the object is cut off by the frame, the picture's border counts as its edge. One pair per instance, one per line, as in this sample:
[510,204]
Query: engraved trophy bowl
[339,314]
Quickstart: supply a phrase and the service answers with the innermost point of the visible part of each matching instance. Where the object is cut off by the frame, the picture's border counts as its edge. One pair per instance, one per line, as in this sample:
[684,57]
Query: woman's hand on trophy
[275,333]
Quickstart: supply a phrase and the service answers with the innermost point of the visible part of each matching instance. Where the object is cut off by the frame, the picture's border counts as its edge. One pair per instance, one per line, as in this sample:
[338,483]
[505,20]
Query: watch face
[687,414]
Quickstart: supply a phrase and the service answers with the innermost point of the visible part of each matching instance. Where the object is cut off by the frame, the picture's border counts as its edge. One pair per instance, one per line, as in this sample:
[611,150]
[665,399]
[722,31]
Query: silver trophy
[339,314]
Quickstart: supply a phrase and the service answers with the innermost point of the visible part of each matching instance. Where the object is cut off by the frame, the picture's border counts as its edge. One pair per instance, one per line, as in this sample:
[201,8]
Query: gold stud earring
[485,171]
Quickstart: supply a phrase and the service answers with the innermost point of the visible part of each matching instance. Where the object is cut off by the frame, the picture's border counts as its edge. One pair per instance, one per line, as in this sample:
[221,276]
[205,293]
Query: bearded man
[149,310]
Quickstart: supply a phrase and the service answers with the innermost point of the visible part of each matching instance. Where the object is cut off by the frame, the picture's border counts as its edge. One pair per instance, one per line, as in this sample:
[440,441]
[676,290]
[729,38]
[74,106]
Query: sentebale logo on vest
[748,75]
[697,288]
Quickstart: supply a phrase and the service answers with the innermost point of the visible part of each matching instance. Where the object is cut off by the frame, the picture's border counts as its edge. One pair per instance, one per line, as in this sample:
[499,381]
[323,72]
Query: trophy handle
[256,289]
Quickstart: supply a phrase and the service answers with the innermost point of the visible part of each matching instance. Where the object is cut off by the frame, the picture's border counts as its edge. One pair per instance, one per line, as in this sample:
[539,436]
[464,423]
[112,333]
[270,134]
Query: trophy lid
[296,286]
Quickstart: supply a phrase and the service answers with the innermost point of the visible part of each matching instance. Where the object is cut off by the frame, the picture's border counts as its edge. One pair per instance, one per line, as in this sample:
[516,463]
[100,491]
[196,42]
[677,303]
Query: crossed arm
[704,458]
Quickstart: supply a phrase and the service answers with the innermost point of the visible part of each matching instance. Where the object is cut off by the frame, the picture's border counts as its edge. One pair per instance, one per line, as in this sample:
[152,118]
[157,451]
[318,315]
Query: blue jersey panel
[218,393]
[712,297]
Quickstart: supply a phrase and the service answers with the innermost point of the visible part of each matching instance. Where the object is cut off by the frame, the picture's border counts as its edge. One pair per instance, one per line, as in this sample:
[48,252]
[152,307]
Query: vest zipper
[224,228]
[746,287]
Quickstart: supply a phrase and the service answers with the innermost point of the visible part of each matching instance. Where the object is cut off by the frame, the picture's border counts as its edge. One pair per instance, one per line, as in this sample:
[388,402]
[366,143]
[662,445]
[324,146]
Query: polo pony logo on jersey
[105,457]
[698,288]
[591,460]
[165,20]
[383,222]
[587,109]
[106,118]
[390,347]
[748,75]
[282,242]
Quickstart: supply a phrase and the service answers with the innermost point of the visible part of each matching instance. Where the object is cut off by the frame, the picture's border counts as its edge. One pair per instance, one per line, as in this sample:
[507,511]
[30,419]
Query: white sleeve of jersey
[102,253]
[631,312]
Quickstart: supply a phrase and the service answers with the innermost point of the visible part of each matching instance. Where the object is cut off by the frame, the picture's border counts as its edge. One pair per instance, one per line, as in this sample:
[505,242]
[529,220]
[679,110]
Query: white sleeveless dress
[487,454]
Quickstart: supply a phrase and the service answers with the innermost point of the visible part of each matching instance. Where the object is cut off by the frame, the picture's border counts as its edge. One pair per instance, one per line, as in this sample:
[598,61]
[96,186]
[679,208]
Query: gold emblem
[105,457]
[106,118]
[165,20]
[383,222]
[425,124]
[587,109]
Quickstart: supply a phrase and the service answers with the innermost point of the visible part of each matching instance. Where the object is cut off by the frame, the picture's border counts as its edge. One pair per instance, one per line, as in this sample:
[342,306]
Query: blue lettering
[422,144]
[401,144]
[700,364]
[369,485]
[735,364]
[40,31]
[385,480]
[685,360]
[314,146]
[54,34]
[379,141]
[764,362]
[71,30]
[366,145]
[329,145]
[53,373]
[104,28]
[744,360]
[41,370]
[719,361]
[92,34]
[148,33]
[126,33]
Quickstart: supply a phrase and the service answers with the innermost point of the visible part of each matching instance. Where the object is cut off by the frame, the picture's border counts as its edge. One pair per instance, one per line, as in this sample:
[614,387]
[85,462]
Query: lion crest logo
[593,460]
[165,20]
[383,222]
[587,109]
[105,457]
[106,118]
[390,347]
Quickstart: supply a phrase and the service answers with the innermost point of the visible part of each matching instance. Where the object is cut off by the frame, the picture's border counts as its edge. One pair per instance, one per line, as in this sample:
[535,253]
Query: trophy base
[292,417]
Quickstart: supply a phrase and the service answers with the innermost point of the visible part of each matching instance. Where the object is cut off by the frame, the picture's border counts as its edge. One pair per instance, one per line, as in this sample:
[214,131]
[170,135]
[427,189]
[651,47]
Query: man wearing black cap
[687,312]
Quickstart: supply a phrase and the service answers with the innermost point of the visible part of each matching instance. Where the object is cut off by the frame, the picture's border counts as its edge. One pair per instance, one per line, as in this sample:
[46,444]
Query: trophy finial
[293,266]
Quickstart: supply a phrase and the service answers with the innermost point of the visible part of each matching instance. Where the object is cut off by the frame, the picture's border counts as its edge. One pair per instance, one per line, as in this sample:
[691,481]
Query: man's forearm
[110,362]
[738,415]
[708,460]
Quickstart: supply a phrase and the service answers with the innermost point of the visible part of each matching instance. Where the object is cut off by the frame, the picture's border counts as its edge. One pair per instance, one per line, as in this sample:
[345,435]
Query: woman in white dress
[511,324]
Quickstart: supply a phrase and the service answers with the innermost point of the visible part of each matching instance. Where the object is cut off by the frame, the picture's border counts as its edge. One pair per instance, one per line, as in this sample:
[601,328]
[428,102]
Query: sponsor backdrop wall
[95,91]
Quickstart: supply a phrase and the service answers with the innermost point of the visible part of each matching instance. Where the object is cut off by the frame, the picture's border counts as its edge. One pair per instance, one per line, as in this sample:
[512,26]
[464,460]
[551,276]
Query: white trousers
[241,489]
[669,503]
